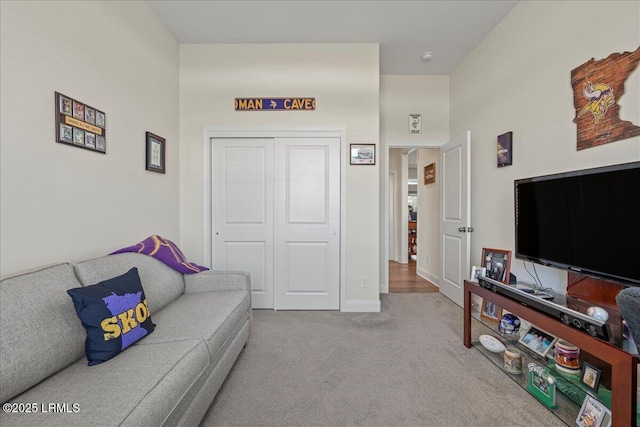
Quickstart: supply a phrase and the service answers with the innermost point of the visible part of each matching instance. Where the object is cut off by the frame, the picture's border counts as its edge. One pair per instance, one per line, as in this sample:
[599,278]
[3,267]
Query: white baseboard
[427,276]
[362,306]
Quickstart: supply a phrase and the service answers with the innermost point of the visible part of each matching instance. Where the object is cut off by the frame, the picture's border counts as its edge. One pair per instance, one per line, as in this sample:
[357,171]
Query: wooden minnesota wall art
[597,88]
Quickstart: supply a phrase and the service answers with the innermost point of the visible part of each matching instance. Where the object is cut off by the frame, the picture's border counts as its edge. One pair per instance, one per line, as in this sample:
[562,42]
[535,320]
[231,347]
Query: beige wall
[403,95]
[518,79]
[428,265]
[343,78]
[62,203]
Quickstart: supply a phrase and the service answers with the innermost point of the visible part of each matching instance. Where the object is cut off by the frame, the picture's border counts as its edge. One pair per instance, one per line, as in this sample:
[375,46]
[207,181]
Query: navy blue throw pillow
[114,313]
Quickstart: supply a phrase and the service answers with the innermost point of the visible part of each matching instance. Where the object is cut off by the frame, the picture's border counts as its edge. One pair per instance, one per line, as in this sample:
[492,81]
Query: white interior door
[242,196]
[455,222]
[307,223]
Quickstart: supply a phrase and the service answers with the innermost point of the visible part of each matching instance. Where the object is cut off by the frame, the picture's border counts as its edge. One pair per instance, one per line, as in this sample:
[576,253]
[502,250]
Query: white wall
[63,203]
[518,79]
[395,166]
[343,78]
[428,265]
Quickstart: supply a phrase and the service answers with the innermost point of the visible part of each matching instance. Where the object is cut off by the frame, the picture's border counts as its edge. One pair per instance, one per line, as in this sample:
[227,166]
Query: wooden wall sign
[597,88]
[430,174]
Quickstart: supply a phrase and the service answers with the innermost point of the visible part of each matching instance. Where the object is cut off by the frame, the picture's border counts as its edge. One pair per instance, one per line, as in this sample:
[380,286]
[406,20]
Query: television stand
[624,366]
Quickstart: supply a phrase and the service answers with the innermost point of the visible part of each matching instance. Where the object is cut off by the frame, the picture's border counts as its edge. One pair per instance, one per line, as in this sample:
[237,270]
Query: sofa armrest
[207,281]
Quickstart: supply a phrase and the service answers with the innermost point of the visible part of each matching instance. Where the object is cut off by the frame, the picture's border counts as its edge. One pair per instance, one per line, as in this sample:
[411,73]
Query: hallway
[403,279]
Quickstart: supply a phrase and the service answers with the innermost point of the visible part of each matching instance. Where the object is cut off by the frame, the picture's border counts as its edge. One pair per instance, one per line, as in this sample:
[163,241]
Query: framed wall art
[430,174]
[156,148]
[79,124]
[505,149]
[363,154]
[498,264]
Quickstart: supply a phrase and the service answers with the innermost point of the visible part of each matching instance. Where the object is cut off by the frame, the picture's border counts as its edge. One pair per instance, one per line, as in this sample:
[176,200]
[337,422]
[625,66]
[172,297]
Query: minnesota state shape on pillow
[114,313]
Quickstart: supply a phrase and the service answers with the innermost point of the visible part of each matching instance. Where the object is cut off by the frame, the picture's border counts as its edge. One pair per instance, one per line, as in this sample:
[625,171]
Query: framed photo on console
[490,311]
[498,264]
[590,376]
[538,341]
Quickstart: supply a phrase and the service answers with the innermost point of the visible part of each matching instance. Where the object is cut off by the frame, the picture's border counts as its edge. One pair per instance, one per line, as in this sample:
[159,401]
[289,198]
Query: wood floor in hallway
[403,278]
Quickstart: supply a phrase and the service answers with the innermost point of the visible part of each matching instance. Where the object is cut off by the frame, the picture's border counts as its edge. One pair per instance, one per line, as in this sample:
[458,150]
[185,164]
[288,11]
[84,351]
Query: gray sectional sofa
[169,378]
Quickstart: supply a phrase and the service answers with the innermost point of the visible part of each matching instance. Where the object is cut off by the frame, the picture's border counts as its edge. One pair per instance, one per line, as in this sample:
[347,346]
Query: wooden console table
[624,366]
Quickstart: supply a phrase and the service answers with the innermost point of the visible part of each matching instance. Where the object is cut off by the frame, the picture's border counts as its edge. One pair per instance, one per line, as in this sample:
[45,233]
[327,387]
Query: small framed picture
[155,153]
[78,110]
[498,264]
[590,376]
[66,133]
[415,123]
[505,149]
[90,140]
[591,413]
[101,144]
[538,341]
[490,311]
[363,154]
[477,271]
[542,385]
[78,136]
[100,119]
[66,106]
[430,174]
[90,115]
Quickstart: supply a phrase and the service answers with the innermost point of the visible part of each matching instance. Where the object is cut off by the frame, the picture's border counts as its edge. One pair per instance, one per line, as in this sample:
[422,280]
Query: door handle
[470,229]
[462,229]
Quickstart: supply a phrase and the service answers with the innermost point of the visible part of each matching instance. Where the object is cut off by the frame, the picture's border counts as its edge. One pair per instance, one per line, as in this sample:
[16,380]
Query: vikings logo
[600,97]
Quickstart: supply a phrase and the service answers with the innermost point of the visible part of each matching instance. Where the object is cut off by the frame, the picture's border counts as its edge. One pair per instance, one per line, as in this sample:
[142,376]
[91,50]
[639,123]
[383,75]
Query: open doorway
[413,227]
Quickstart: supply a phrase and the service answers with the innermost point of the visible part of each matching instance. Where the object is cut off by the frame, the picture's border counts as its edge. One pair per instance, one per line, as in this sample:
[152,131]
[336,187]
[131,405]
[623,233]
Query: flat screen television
[585,221]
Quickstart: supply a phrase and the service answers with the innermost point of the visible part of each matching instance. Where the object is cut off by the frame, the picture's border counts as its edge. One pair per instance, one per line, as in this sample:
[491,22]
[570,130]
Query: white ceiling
[404,29]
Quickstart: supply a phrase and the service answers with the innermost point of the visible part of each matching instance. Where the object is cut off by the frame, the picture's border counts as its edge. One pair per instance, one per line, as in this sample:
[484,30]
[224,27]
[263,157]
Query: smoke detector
[427,56]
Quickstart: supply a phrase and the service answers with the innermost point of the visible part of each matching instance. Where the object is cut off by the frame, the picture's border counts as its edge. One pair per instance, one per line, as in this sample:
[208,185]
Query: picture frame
[415,123]
[498,264]
[156,149]
[490,311]
[591,413]
[542,385]
[505,149]
[362,154]
[538,341]
[477,271]
[79,125]
[430,174]
[590,377]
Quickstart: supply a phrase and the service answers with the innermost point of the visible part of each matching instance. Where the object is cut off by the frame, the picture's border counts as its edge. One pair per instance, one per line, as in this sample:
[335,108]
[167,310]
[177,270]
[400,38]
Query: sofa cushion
[161,283]
[114,313]
[141,387]
[40,330]
[209,316]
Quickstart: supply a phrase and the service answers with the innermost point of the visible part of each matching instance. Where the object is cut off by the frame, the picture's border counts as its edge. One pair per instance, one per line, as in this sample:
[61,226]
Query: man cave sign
[597,87]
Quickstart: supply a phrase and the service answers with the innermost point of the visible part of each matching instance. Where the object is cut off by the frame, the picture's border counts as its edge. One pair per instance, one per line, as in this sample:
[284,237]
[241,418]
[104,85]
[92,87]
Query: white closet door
[242,175]
[307,223]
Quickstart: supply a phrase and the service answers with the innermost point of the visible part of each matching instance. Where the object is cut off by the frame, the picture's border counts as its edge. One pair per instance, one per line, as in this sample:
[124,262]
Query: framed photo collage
[80,125]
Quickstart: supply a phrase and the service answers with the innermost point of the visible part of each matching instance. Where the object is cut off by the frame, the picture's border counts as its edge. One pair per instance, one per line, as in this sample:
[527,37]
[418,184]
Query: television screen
[586,221]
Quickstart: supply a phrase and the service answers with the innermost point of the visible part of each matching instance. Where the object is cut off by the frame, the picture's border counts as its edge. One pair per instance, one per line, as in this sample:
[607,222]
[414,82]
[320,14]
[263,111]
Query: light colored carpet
[405,366]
